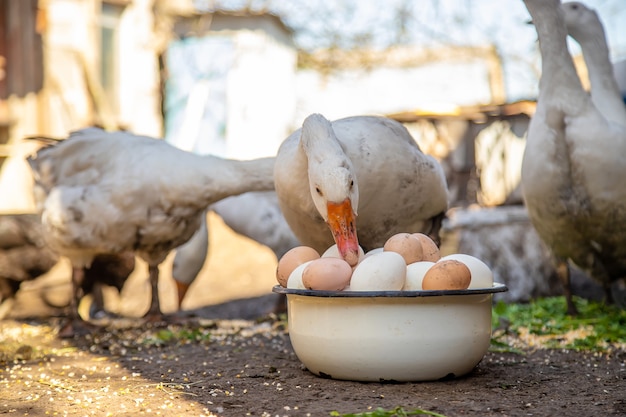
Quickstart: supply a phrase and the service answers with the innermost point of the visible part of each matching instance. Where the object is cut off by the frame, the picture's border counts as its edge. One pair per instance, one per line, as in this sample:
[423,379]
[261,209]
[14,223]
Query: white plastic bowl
[390,335]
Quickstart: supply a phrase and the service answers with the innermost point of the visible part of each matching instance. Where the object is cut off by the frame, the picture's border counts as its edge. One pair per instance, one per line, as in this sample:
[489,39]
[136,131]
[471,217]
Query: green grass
[597,327]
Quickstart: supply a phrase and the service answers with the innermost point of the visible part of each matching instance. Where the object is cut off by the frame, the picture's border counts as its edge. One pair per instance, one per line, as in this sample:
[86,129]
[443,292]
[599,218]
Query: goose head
[332,184]
[580,20]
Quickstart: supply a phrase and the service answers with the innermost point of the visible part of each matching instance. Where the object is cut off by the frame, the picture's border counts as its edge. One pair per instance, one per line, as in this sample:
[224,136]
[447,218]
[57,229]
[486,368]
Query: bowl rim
[497,287]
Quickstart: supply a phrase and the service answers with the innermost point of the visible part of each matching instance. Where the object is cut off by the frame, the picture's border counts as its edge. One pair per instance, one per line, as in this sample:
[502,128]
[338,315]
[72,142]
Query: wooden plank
[21,46]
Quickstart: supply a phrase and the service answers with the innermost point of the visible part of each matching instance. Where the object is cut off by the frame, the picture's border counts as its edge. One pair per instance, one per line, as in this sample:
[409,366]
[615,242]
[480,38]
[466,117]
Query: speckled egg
[406,245]
[482,276]
[429,247]
[447,275]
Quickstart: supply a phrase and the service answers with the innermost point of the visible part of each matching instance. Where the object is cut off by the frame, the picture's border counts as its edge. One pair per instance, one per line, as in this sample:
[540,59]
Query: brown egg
[429,247]
[291,260]
[327,274]
[406,245]
[447,275]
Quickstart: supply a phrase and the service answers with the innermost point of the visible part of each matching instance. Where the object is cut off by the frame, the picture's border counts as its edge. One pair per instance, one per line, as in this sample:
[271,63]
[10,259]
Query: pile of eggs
[407,261]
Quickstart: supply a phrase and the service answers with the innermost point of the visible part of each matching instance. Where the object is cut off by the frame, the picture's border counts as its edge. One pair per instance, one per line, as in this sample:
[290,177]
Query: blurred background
[234,78]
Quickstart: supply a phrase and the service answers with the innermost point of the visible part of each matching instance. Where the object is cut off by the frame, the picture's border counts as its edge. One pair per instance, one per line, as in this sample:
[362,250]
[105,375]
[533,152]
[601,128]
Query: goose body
[255,215]
[573,165]
[362,173]
[100,192]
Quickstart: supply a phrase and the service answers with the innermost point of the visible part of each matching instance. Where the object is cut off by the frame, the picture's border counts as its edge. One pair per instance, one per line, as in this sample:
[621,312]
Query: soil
[234,358]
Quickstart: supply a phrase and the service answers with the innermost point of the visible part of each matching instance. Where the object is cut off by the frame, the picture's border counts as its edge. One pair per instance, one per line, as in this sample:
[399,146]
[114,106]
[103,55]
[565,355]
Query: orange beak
[342,224]
[182,290]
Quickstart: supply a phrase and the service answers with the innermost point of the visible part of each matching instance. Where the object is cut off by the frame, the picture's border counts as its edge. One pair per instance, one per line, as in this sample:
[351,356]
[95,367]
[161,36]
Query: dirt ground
[230,358]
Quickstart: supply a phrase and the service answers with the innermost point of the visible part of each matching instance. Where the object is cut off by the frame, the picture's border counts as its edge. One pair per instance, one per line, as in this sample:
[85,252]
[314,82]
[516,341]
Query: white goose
[101,192]
[327,173]
[573,166]
[24,256]
[255,215]
[584,25]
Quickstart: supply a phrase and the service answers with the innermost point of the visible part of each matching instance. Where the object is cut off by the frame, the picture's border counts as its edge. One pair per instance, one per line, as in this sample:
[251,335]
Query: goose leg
[97,310]
[76,325]
[562,271]
[617,293]
[78,276]
[154,313]
[608,293]
[612,292]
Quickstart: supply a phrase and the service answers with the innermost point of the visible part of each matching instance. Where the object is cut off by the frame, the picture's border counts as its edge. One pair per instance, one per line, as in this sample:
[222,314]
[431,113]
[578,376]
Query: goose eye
[352,184]
[317,189]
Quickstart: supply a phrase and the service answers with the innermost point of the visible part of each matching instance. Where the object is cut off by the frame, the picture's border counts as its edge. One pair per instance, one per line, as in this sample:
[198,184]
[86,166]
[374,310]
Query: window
[109,50]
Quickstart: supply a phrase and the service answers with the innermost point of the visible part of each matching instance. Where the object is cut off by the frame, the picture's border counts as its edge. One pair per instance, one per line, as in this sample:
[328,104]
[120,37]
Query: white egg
[295,278]
[333,252]
[384,271]
[415,274]
[374,252]
[482,277]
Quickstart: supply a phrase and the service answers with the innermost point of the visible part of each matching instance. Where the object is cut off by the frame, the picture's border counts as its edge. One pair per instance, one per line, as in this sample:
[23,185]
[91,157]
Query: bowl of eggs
[403,313]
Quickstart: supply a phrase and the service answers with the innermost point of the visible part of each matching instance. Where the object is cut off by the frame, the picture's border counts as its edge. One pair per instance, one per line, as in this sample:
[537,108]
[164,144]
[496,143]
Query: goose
[584,25]
[24,256]
[113,192]
[327,173]
[255,215]
[572,168]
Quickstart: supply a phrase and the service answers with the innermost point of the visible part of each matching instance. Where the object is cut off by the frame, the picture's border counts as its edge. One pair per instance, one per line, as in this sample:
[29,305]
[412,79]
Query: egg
[291,260]
[373,252]
[327,274]
[406,245]
[333,252]
[482,276]
[415,274]
[429,247]
[384,271]
[295,278]
[447,275]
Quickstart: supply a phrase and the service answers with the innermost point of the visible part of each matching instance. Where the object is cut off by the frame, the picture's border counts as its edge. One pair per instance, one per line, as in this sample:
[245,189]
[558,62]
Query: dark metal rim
[497,287]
